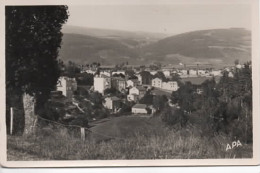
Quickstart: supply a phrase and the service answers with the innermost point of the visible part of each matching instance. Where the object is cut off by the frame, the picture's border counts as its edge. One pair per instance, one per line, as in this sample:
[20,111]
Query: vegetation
[224,107]
[162,143]
[31,52]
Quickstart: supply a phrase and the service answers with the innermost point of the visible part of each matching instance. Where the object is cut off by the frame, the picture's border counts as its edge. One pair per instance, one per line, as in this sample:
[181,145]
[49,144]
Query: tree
[147,99]
[33,38]
[96,99]
[184,97]
[160,75]
[159,102]
[146,77]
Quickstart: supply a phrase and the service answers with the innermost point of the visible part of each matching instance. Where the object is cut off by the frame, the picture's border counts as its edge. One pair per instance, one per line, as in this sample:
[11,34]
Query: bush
[172,116]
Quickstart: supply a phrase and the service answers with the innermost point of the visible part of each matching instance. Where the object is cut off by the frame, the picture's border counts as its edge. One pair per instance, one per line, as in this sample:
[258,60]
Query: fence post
[82,132]
[11,120]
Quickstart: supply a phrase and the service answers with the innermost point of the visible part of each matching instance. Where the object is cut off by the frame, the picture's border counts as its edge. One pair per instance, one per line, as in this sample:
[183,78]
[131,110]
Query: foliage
[184,97]
[160,144]
[111,91]
[85,79]
[172,116]
[97,99]
[33,38]
[159,102]
[146,77]
[147,99]
[160,75]
[224,107]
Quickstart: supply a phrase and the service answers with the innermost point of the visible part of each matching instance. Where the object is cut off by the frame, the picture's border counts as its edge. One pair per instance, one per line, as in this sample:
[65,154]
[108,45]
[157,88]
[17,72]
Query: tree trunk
[29,114]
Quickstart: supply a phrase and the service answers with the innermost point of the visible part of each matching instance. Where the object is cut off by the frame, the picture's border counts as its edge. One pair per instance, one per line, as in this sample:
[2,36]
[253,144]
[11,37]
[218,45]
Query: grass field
[129,138]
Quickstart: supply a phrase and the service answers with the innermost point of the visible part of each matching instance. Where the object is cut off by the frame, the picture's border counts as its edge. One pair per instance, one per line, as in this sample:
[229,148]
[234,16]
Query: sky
[168,18]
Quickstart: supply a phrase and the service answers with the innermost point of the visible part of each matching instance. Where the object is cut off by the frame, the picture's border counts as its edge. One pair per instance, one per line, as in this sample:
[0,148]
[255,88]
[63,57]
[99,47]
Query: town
[136,86]
[128,82]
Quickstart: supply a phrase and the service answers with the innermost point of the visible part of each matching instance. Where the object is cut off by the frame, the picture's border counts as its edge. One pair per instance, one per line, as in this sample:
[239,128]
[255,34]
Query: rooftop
[141,106]
[140,88]
[114,98]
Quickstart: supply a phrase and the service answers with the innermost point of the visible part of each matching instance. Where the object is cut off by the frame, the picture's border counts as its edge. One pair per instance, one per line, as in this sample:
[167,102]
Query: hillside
[218,46]
[84,49]
[130,39]
[208,46]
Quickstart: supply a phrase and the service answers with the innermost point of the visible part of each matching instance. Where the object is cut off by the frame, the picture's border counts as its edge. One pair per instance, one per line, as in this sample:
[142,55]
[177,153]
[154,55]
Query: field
[129,137]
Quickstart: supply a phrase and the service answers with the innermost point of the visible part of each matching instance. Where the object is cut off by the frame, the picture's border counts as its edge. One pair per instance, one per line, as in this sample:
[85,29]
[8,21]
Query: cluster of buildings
[136,87]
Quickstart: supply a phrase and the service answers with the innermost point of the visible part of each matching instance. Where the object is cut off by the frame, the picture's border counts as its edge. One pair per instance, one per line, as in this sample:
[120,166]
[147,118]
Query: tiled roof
[140,88]
[114,98]
[140,106]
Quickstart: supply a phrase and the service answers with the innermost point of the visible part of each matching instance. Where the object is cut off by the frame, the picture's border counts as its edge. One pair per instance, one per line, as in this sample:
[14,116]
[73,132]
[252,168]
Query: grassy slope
[160,143]
[87,49]
[219,46]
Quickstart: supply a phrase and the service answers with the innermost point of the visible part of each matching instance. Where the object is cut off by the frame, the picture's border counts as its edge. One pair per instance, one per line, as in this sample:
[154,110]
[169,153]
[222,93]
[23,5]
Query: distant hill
[131,39]
[84,49]
[217,46]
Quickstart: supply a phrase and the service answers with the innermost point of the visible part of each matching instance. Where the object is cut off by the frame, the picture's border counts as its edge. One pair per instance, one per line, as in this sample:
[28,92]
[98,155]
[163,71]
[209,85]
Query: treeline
[223,107]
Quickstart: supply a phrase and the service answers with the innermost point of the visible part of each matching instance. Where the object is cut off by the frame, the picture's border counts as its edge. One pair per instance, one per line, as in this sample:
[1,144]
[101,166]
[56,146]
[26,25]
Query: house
[139,78]
[167,73]
[138,90]
[118,72]
[230,74]
[136,93]
[157,82]
[170,85]
[199,90]
[132,97]
[132,82]
[101,82]
[106,73]
[193,72]
[118,83]
[90,71]
[216,72]
[153,72]
[201,72]
[139,109]
[67,86]
[112,103]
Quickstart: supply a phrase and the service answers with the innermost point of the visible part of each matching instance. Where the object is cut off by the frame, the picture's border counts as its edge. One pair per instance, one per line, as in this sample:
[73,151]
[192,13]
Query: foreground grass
[163,144]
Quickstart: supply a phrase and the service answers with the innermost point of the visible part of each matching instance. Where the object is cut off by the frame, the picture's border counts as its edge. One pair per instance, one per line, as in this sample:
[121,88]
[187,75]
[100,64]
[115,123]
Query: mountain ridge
[215,46]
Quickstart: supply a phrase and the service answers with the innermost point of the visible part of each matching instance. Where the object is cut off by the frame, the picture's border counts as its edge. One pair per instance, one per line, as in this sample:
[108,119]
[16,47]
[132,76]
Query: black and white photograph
[142,83]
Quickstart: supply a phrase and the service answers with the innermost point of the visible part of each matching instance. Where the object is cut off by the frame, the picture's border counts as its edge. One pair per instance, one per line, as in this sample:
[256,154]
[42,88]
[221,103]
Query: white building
[106,73]
[139,79]
[153,72]
[118,72]
[138,90]
[216,73]
[132,82]
[132,97]
[193,72]
[112,103]
[157,82]
[139,109]
[90,71]
[171,85]
[136,93]
[101,82]
[167,73]
[67,86]
[201,72]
